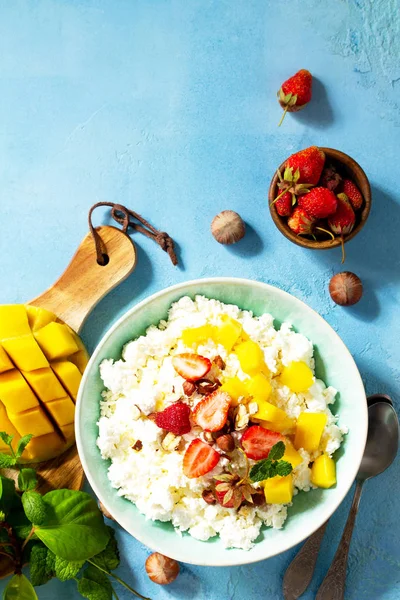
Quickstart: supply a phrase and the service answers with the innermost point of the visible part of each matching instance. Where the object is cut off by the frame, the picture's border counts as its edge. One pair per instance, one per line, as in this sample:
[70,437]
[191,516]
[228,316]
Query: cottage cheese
[144,380]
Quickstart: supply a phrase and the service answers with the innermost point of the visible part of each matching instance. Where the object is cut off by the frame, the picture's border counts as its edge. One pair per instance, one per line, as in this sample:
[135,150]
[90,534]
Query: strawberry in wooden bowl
[320,198]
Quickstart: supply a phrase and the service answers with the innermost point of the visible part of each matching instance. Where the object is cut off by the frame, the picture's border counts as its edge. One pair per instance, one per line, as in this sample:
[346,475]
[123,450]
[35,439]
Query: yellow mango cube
[5,362]
[68,432]
[8,427]
[39,317]
[236,389]
[309,429]
[56,341]
[284,426]
[45,384]
[291,455]
[323,471]
[25,353]
[44,447]
[69,375]
[33,421]
[228,333]
[15,393]
[251,357]
[259,387]
[62,410]
[297,376]
[13,321]
[198,335]
[269,412]
[278,490]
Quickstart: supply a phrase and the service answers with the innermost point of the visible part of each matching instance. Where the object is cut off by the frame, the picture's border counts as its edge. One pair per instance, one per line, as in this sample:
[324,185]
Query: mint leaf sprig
[61,534]
[7,460]
[271,466]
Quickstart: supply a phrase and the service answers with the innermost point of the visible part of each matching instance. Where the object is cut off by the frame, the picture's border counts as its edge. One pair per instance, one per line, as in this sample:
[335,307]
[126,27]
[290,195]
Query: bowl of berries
[320,198]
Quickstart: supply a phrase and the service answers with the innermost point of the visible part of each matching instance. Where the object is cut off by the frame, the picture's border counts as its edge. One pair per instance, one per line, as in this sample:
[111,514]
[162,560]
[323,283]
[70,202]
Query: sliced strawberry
[212,412]
[199,459]
[191,366]
[258,441]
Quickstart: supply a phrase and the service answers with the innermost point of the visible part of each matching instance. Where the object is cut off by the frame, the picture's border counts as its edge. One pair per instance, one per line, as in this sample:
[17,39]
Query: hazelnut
[137,446]
[258,498]
[226,443]
[105,512]
[188,388]
[345,288]
[219,362]
[161,569]
[228,227]
[208,496]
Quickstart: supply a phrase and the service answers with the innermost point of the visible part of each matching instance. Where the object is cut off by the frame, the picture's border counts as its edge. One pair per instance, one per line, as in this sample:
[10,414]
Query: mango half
[41,366]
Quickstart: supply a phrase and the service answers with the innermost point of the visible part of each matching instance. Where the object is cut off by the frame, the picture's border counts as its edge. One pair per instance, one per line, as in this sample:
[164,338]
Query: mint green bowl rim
[236,556]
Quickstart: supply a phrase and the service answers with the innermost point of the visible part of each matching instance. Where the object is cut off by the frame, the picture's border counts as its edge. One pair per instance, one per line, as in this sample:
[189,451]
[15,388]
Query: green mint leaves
[27,479]
[74,528]
[34,507]
[60,534]
[95,585]
[10,460]
[271,466]
[41,567]
[108,559]
[19,588]
[66,569]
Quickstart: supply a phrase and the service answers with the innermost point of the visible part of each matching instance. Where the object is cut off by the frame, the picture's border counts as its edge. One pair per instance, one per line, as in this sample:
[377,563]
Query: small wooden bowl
[349,167]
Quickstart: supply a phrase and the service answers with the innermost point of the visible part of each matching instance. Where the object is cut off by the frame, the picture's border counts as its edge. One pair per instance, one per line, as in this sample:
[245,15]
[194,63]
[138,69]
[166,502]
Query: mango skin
[41,365]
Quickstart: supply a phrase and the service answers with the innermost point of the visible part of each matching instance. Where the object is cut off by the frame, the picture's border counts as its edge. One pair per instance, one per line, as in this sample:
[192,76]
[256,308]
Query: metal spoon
[300,571]
[380,451]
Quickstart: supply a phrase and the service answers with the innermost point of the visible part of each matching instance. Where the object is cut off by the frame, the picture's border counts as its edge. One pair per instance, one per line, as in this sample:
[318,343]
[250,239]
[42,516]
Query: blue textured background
[169,106]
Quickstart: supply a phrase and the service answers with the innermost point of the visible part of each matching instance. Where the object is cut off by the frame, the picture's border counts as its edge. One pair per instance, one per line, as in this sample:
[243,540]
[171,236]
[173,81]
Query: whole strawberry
[343,220]
[174,418]
[295,92]
[302,171]
[353,193]
[310,163]
[300,222]
[284,205]
[319,203]
[330,178]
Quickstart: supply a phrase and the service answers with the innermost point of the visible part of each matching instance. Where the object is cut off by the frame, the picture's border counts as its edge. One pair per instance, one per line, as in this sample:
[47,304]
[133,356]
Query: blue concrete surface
[169,106]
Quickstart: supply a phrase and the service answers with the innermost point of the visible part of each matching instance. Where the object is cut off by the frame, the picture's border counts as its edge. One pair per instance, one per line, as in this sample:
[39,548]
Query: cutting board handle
[84,282]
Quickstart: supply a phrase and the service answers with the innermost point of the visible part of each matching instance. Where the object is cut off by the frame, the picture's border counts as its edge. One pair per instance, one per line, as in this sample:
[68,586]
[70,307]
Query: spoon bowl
[380,451]
[382,441]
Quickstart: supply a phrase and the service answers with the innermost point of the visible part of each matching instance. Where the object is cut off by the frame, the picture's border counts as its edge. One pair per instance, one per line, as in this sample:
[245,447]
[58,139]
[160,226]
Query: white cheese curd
[145,381]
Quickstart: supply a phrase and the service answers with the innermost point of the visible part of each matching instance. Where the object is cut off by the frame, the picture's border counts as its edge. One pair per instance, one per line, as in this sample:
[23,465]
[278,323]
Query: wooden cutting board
[82,285]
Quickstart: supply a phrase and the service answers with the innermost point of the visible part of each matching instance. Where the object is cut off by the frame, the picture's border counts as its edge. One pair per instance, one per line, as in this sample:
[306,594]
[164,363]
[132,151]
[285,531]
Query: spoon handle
[332,587]
[300,571]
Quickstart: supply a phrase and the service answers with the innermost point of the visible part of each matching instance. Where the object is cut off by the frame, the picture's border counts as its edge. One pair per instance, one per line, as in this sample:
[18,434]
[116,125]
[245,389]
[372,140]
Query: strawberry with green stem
[343,220]
[302,171]
[295,92]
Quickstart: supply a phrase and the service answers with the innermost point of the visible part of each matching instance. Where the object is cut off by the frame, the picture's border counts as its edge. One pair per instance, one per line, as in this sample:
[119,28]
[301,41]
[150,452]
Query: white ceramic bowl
[334,364]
